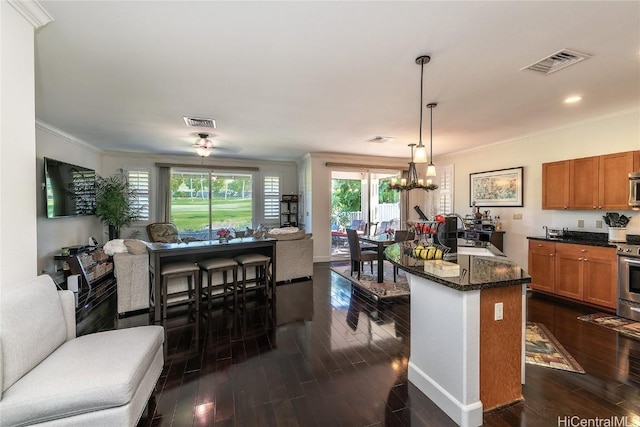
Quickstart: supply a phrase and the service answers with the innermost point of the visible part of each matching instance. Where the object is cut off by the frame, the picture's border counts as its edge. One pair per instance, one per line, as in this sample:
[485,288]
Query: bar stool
[177,270]
[261,264]
[219,265]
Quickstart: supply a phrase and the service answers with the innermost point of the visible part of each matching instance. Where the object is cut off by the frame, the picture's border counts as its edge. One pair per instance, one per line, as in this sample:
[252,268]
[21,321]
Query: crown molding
[44,126]
[32,11]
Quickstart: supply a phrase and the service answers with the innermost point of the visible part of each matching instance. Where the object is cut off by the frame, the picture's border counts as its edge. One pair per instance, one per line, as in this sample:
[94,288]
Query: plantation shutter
[272,198]
[445,187]
[139,181]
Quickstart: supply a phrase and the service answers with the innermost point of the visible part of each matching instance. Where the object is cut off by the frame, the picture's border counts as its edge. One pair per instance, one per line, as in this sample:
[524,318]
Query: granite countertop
[476,271]
[587,238]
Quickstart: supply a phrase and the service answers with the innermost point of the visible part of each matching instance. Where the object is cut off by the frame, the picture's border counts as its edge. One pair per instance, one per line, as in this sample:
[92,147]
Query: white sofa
[51,378]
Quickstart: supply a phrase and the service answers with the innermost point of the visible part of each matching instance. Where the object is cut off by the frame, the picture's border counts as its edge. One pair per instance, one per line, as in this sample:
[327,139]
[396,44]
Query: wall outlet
[498,311]
[581,223]
[517,216]
[599,223]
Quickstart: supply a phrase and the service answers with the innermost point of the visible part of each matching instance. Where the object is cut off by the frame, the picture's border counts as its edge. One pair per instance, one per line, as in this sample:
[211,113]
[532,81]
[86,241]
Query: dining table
[380,241]
[161,253]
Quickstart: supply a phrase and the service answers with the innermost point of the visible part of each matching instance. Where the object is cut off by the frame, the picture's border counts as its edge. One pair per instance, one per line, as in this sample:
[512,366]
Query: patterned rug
[626,327]
[369,282]
[543,349]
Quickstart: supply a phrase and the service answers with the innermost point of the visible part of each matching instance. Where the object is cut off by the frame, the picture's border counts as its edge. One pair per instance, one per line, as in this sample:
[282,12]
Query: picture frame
[497,188]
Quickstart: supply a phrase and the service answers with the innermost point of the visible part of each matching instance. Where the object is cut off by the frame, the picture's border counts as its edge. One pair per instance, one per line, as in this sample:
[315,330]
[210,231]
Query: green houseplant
[115,203]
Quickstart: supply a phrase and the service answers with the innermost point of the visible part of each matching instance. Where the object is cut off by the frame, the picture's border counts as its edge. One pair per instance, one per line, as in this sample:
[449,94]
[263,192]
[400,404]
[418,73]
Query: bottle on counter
[498,223]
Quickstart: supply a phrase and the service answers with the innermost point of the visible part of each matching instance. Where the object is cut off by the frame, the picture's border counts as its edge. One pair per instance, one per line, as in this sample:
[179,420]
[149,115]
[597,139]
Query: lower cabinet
[542,265]
[580,272]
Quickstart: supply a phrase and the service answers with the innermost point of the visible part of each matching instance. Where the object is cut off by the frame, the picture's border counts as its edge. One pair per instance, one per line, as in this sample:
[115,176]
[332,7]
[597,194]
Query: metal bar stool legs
[177,270]
[261,264]
[219,265]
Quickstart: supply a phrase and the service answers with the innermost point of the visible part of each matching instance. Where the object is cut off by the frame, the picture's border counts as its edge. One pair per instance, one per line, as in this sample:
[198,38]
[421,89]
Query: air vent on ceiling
[557,61]
[380,139]
[200,122]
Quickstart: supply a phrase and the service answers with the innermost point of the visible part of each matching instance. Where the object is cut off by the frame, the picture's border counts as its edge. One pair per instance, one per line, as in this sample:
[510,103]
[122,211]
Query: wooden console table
[198,251]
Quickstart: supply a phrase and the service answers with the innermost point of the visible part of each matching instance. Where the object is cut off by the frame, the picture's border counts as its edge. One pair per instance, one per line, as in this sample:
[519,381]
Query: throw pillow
[115,246]
[135,247]
[297,235]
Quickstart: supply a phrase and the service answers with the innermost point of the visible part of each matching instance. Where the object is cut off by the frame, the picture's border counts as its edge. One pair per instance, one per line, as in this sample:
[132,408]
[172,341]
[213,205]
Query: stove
[629,281]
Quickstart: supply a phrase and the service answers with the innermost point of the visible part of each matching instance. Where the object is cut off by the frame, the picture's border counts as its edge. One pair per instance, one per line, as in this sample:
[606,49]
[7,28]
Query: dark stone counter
[489,269]
[587,238]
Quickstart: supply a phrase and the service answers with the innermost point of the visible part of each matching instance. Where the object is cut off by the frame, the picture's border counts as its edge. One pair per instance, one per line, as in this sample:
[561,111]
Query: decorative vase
[113,232]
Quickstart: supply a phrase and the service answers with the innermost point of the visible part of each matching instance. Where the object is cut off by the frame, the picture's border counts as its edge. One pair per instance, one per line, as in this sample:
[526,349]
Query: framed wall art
[496,188]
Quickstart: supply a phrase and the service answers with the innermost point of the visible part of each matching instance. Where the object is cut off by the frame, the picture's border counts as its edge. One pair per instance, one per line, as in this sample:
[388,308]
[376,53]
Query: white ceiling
[287,78]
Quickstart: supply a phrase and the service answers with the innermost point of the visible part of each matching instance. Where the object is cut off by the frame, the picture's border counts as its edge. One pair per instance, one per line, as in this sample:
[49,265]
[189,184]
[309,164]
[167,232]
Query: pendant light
[420,156]
[431,168]
[421,150]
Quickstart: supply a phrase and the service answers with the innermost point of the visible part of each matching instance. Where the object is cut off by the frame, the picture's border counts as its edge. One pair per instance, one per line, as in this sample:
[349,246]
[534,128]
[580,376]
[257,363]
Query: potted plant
[115,203]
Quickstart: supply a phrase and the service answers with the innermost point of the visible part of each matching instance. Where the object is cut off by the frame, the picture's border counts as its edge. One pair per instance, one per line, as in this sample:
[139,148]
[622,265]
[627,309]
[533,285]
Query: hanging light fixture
[421,150]
[431,168]
[203,146]
[420,156]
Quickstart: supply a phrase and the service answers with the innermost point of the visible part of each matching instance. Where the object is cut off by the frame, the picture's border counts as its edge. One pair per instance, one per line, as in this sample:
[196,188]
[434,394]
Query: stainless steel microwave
[634,190]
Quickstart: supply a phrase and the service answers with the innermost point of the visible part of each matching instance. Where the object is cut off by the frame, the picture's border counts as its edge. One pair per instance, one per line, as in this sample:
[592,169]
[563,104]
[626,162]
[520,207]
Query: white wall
[610,134]
[55,233]
[18,253]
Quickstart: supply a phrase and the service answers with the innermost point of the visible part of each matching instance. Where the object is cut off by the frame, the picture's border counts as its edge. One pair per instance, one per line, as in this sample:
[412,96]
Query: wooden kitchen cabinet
[542,265]
[613,184]
[583,183]
[555,185]
[579,272]
[636,161]
[598,182]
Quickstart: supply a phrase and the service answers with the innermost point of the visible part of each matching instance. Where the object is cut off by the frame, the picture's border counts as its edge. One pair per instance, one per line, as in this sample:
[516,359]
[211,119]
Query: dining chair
[401,236]
[359,256]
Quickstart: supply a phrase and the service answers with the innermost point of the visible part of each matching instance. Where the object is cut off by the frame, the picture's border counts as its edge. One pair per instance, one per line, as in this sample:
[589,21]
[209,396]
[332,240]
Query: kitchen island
[467,331]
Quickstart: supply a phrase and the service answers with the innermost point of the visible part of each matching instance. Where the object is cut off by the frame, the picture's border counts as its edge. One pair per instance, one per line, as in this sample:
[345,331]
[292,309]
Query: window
[203,201]
[139,181]
[445,176]
[271,198]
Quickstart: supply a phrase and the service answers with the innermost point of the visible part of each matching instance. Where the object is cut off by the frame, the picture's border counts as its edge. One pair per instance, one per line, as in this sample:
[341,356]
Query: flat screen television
[70,189]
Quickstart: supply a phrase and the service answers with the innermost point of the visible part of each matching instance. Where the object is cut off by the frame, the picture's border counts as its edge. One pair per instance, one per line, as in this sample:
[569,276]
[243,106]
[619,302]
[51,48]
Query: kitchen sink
[478,251]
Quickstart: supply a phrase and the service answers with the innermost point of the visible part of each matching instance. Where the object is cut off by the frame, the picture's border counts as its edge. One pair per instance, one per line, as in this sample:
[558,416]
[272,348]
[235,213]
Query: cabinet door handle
[539,245]
[595,207]
[585,260]
[551,254]
[579,259]
[583,250]
[599,207]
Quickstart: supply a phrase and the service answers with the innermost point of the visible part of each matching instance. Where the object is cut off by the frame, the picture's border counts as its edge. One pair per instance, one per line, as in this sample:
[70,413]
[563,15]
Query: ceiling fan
[204,145]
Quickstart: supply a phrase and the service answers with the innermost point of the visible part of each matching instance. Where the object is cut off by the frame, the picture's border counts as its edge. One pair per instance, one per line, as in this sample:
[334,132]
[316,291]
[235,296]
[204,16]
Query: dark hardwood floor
[329,357]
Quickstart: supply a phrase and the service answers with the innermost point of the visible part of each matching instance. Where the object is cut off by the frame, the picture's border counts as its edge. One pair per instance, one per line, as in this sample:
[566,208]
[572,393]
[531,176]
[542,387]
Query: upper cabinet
[599,182]
[555,185]
[636,161]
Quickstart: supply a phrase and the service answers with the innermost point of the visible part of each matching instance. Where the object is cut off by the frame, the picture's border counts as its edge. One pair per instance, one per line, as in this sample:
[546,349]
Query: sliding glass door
[361,200]
[204,201]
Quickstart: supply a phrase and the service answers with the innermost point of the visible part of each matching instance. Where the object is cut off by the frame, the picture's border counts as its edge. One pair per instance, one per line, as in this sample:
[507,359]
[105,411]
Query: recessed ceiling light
[572,99]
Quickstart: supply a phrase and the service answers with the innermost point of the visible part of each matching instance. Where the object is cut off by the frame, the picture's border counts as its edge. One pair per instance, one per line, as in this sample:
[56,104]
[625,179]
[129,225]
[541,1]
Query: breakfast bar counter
[467,331]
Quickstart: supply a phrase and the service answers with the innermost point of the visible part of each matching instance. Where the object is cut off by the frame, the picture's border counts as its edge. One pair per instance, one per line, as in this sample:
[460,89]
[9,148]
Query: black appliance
[448,233]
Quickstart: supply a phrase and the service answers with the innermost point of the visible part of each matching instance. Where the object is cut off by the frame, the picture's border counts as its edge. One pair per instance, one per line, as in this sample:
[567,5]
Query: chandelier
[412,181]
[203,146]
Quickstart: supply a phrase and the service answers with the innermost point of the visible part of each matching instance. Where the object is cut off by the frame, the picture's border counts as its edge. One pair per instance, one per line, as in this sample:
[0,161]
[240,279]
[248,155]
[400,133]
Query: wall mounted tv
[70,189]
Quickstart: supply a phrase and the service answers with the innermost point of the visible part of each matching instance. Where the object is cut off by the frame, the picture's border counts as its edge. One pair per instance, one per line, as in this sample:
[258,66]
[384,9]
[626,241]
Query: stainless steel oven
[629,281]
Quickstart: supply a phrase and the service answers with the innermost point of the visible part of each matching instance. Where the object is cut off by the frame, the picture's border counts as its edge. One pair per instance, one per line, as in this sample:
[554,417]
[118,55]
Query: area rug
[369,282]
[626,327]
[543,349]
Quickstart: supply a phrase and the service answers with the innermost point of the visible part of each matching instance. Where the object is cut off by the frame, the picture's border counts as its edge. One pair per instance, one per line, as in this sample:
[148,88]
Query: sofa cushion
[115,246]
[298,235]
[90,373]
[28,340]
[135,247]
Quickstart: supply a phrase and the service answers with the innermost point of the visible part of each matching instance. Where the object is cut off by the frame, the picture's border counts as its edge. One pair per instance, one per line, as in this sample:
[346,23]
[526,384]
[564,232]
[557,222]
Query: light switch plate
[498,311]
[581,223]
